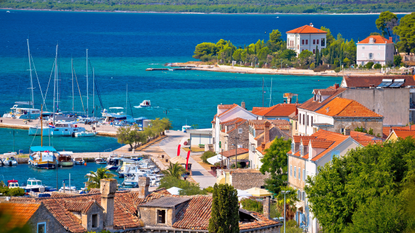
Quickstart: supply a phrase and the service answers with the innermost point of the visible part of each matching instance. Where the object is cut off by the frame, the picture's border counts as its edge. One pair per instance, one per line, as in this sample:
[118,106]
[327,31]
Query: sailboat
[42,156]
[27,113]
[60,128]
[118,116]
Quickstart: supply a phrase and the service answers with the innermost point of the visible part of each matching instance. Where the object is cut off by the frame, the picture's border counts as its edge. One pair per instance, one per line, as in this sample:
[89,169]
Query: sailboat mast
[262,92]
[54,84]
[93,90]
[73,90]
[87,91]
[270,95]
[31,77]
[41,125]
[126,99]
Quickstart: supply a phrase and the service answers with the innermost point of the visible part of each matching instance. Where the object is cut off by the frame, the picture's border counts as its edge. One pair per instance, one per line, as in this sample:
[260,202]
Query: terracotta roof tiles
[306,29]
[20,213]
[279,110]
[341,107]
[377,39]
[315,105]
[231,153]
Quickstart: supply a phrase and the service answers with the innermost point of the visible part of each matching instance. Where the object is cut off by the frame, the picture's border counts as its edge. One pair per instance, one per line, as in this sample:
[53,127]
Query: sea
[120,48]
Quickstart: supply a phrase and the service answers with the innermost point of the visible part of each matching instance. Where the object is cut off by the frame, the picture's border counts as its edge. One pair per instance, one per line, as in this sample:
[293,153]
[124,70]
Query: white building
[306,38]
[376,49]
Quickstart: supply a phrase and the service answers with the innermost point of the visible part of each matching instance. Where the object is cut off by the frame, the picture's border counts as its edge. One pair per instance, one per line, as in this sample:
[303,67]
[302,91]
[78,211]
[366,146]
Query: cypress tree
[317,57]
[224,217]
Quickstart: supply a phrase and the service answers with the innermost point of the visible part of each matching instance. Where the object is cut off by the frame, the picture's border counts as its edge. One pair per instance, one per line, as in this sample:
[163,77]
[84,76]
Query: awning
[258,192]
[241,157]
[42,148]
[215,159]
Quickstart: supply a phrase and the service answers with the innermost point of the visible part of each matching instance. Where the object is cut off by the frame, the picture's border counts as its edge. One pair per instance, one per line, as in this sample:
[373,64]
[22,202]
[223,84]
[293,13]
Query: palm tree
[174,170]
[94,178]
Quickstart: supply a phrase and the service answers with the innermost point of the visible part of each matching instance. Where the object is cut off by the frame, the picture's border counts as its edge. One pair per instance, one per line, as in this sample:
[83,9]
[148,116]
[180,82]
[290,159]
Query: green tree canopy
[305,54]
[187,187]
[263,53]
[127,135]
[406,33]
[365,183]
[237,55]
[386,22]
[224,217]
[329,36]
[275,163]
[203,49]
[175,170]
[288,54]
[94,178]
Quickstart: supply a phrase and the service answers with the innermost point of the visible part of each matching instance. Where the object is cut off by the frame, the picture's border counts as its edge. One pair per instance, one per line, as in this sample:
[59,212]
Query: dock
[170,69]
[102,130]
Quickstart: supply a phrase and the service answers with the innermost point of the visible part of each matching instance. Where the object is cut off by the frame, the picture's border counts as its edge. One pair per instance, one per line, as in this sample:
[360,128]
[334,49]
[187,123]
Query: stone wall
[248,179]
[243,139]
[43,215]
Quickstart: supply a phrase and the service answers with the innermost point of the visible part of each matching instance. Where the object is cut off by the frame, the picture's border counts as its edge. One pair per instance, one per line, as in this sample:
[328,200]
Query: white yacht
[34,185]
[115,117]
[144,104]
[59,129]
[17,112]
[9,161]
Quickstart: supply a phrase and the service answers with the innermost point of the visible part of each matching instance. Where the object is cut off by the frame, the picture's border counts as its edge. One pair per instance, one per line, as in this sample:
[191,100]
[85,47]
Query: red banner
[187,160]
[178,150]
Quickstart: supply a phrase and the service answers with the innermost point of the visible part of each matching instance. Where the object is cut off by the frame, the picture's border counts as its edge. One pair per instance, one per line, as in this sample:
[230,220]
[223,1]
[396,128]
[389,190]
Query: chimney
[267,207]
[263,146]
[390,129]
[390,39]
[347,132]
[143,183]
[311,25]
[243,105]
[266,131]
[108,189]
[336,86]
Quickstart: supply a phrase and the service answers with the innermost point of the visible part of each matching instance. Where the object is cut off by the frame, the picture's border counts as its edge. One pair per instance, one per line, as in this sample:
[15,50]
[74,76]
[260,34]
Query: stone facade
[247,178]
[92,220]
[232,135]
[42,215]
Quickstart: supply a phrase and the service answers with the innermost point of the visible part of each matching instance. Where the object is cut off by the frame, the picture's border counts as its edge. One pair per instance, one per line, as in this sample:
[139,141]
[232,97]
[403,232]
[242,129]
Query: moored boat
[85,134]
[34,185]
[59,129]
[42,157]
[100,161]
[65,159]
[9,161]
[12,184]
[78,161]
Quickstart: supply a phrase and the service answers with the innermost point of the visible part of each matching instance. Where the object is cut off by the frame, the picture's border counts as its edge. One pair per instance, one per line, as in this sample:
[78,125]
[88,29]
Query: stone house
[227,113]
[234,134]
[262,132]
[35,215]
[306,155]
[376,49]
[241,178]
[306,37]
[138,211]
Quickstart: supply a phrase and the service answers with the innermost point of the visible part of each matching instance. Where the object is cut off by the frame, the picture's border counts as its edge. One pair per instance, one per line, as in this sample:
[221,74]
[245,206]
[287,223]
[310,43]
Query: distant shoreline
[196,13]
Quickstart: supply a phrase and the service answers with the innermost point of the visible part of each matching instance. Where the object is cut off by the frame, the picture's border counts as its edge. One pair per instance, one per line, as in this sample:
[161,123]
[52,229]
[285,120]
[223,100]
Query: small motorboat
[78,161]
[12,184]
[9,161]
[34,185]
[100,160]
[145,104]
[85,134]
[68,189]
[64,159]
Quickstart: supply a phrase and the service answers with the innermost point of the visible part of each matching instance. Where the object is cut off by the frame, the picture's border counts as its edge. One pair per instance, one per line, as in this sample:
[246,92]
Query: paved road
[169,145]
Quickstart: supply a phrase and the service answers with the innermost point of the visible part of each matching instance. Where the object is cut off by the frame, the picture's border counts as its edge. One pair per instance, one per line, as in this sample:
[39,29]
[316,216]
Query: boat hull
[43,165]
[66,164]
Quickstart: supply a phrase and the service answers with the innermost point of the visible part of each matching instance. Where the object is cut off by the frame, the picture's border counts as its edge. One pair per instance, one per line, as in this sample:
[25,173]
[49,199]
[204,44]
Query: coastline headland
[285,71]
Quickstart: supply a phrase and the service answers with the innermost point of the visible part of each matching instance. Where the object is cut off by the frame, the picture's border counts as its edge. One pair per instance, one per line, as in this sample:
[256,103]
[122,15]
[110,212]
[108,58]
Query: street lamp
[284,192]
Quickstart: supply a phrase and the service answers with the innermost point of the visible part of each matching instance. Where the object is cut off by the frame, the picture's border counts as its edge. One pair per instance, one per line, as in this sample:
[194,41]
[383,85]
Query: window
[303,196]
[239,131]
[301,151]
[295,172]
[306,41]
[323,42]
[94,220]
[161,216]
[307,121]
[311,123]
[370,55]
[41,227]
[291,170]
[304,174]
[314,41]
[314,51]
[299,118]
[302,42]
[317,42]
[295,125]
[299,173]
[303,119]
[292,148]
[363,47]
[299,195]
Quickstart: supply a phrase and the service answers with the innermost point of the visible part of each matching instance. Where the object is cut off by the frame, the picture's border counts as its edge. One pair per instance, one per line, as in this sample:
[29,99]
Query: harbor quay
[101,130]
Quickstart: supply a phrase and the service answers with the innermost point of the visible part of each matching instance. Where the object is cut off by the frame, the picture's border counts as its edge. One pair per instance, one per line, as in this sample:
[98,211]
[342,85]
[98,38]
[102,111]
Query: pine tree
[224,217]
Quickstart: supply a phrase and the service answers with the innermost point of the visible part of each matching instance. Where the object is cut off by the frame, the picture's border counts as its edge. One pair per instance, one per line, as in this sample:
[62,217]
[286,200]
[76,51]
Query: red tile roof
[279,110]
[228,109]
[341,107]
[368,81]
[233,152]
[263,151]
[404,133]
[321,144]
[306,29]
[20,213]
[257,109]
[365,139]
[377,39]
[225,106]
[387,129]
[260,124]
[315,105]
[297,139]
[195,214]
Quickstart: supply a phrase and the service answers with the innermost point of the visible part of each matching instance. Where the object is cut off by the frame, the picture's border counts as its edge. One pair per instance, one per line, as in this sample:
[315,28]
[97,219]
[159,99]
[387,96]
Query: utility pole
[284,192]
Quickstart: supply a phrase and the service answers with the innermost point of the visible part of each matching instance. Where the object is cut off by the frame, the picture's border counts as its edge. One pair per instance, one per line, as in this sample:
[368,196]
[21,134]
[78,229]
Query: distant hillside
[219,6]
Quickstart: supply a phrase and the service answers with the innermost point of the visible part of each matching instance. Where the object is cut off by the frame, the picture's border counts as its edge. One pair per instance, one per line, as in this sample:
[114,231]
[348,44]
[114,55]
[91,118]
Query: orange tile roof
[378,39]
[315,105]
[257,109]
[228,109]
[20,213]
[387,129]
[279,110]
[404,133]
[365,139]
[321,144]
[306,29]
[225,106]
[263,151]
[260,124]
[341,107]
[297,139]
[232,152]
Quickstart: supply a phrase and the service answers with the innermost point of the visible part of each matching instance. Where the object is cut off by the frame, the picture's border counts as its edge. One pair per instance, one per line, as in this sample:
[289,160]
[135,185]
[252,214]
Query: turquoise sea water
[121,46]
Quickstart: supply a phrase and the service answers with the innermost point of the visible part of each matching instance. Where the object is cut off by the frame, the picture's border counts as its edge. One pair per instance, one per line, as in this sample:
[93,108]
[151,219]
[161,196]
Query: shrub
[377,66]
[251,204]
[312,66]
[337,70]
[207,155]
[187,187]
[209,189]
[369,65]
